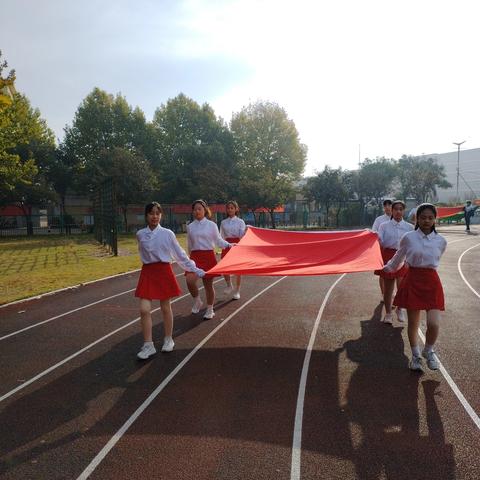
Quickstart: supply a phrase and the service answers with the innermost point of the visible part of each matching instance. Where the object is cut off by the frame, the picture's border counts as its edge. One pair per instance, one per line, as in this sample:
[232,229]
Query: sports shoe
[388,318]
[401,317]
[432,360]
[416,364]
[146,351]
[168,344]
[209,314]
[197,304]
[228,290]
[236,295]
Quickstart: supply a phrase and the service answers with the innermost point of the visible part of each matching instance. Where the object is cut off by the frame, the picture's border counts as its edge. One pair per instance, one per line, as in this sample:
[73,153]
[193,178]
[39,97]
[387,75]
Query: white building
[468,179]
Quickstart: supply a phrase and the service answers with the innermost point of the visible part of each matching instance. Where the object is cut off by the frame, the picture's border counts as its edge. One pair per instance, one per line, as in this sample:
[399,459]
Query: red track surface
[229,413]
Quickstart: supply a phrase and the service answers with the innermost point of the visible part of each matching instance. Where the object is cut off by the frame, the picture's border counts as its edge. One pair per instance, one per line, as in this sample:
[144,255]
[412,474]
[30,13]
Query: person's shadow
[382,405]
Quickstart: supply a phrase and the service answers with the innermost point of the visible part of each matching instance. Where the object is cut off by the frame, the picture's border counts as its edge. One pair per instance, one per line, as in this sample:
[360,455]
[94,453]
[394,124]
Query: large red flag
[445,212]
[279,252]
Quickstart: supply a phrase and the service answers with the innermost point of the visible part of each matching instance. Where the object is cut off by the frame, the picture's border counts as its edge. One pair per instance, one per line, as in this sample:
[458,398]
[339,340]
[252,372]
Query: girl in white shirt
[157,246]
[203,236]
[389,235]
[386,217]
[232,229]
[421,289]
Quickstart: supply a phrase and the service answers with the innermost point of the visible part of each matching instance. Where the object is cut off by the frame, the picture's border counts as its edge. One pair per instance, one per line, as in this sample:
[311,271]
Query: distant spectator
[469,211]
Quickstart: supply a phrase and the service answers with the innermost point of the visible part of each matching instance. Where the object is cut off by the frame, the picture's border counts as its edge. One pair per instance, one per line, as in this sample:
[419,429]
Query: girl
[387,215]
[203,236]
[421,289]
[389,235]
[157,246]
[232,229]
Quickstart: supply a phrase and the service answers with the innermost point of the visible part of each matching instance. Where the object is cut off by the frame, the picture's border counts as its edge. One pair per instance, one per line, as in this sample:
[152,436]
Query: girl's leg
[433,327]
[209,291]
[228,281]
[146,319]
[167,314]
[382,285]
[192,284]
[238,281]
[193,289]
[413,338]
[389,286]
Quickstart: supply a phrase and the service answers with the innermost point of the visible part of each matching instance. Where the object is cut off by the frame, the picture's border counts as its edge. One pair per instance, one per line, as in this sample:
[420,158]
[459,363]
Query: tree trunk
[272,216]
[28,218]
[124,210]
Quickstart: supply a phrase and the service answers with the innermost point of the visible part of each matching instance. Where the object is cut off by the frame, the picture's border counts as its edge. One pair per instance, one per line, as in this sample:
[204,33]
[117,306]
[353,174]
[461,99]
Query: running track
[298,379]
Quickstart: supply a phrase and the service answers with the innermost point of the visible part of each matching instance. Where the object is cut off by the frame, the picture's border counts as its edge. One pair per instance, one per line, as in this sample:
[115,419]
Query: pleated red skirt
[204,259]
[421,289]
[157,282]
[387,254]
[229,240]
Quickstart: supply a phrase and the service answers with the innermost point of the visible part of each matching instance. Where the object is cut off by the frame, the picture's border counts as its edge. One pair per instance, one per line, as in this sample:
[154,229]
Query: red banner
[279,252]
[443,212]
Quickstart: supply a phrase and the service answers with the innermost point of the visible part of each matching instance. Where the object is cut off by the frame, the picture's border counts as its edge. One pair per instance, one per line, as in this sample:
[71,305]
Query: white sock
[167,338]
[428,348]
[148,343]
[416,351]
[209,307]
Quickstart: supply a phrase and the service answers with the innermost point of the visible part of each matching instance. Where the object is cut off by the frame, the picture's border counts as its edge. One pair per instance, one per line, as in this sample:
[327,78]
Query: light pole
[458,163]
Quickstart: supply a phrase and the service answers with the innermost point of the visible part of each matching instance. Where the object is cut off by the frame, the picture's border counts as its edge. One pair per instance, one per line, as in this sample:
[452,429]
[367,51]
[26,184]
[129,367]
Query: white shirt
[204,235]
[232,227]
[161,245]
[379,220]
[419,250]
[390,233]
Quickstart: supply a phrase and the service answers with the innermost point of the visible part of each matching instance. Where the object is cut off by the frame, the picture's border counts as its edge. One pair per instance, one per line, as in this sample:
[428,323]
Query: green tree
[194,152]
[133,177]
[26,144]
[376,178]
[420,177]
[102,123]
[268,155]
[329,187]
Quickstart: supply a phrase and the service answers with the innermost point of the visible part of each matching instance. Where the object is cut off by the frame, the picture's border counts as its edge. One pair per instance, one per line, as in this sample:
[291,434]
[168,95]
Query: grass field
[30,266]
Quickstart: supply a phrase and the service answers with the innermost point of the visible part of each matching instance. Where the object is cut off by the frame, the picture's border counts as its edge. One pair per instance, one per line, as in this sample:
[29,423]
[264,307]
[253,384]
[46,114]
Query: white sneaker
[401,316]
[168,344]
[236,295]
[228,290]
[197,304]
[432,360]
[209,314]
[146,351]
[388,318]
[416,364]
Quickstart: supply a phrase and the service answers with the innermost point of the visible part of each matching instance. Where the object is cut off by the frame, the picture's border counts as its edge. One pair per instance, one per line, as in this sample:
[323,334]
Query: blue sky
[393,77]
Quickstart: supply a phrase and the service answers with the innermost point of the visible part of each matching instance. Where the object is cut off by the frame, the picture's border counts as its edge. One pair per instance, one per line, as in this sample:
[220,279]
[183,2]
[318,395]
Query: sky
[360,79]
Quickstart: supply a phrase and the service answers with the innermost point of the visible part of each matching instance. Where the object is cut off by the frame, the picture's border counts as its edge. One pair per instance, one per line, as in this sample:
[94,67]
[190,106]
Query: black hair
[150,206]
[387,201]
[420,209]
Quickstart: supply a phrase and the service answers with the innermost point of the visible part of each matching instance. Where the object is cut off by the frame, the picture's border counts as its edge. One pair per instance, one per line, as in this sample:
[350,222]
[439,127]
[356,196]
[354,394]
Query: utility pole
[458,164]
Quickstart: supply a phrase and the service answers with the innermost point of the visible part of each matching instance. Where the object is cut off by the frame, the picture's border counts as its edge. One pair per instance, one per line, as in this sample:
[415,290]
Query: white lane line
[118,435]
[68,313]
[468,408]
[461,273]
[79,352]
[459,240]
[297,431]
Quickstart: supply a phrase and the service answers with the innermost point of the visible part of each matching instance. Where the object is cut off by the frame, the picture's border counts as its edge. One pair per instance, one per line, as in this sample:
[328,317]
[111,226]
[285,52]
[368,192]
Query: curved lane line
[68,313]
[118,435]
[79,352]
[468,408]
[461,273]
[297,431]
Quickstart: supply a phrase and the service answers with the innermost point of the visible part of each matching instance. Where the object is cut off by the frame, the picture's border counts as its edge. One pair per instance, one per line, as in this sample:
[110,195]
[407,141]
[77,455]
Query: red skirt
[157,282]
[387,254]
[421,289]
[204,259]
[229,240]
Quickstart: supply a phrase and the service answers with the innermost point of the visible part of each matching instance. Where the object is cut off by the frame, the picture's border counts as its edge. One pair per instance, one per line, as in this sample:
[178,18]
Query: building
[468,178]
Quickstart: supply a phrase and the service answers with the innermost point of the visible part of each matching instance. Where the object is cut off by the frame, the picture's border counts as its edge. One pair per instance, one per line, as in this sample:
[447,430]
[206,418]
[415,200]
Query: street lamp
[458,164]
